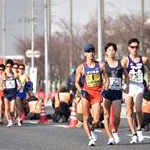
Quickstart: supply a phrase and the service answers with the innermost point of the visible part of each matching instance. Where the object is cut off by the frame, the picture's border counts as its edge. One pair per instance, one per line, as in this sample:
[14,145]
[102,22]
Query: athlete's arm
[2,82]
[146,61]
[125,73]
[105,75]
[78,76]
[124,62]
[18,82]
[27,78]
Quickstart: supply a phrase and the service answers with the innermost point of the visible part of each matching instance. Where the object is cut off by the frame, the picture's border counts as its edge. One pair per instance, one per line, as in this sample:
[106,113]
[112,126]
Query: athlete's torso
[10,84]
[136,70]
[92,77]
[115,76]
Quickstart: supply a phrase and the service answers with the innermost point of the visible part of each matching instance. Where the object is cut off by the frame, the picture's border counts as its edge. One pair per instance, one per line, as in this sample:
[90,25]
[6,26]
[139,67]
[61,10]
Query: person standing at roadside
[91,71]
[113,96]
[135,66]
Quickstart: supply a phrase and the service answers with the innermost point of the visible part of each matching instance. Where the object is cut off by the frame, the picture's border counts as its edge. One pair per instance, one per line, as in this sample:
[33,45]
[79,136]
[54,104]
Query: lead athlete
[91,71]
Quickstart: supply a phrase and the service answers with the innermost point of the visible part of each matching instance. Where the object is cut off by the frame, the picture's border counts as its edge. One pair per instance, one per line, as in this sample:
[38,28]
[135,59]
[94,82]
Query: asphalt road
[34,136]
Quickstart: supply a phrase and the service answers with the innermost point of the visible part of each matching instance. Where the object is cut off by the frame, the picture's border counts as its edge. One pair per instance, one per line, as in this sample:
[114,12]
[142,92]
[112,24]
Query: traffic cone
[43,117]
[23,117]
[73,117]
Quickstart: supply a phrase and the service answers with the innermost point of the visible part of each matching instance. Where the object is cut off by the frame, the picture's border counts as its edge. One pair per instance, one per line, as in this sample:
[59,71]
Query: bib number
[115,83]
[136,77]
[93,80]
[10,84]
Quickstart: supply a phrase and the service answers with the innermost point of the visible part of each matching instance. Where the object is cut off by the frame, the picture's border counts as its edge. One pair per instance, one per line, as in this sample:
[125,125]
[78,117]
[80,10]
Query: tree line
[117,30]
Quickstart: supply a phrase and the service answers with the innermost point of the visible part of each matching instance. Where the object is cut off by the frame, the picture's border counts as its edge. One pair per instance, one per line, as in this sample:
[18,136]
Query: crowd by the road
[98,90]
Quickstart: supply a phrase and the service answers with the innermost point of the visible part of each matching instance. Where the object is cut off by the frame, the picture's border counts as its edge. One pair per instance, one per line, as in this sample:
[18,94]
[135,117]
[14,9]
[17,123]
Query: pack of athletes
[92,77]
[136,70]
[10,86]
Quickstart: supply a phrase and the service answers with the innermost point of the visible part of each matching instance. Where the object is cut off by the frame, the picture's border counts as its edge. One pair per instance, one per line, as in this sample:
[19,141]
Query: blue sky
[17,10]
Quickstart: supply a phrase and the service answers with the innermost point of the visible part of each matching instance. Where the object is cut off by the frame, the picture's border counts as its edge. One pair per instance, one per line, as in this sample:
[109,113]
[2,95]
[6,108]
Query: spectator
[61,105]
[146,108]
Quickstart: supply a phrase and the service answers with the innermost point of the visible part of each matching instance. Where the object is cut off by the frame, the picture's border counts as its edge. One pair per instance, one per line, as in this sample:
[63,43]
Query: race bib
[136,77]
[10,84]
[93,80]
[115,83]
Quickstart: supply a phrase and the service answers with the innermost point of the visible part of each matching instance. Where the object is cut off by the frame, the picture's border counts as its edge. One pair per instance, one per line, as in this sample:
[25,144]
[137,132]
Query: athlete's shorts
[22,95]
[135,88]
[112,95]
[93,96]
[10,98]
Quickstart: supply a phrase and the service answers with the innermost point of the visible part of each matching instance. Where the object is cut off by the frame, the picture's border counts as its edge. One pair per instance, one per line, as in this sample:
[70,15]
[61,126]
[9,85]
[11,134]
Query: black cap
[88,47]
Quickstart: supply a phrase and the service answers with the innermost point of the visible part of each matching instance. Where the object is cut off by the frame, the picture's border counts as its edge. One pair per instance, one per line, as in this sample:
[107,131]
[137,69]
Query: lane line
[147,137]
[63,126]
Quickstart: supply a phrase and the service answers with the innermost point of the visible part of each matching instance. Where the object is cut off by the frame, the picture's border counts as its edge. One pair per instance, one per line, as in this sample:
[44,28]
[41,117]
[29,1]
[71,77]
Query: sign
[36,53]
[33,78]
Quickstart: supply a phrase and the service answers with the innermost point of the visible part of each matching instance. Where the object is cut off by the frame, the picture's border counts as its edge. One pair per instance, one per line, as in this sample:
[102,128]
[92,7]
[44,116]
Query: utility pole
[4,32]
[142,26]
[100,29]
[71,33]
[32,32]
[49,40]
[46,46]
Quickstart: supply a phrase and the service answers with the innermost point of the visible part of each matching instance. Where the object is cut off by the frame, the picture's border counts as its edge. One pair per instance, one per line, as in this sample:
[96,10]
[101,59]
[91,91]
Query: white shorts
[135,89]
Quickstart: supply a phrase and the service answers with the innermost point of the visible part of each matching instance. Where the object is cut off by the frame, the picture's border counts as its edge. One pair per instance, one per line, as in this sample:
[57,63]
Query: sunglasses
[132,47]
[1,69]
[8,66]
[21,68]
[15,67]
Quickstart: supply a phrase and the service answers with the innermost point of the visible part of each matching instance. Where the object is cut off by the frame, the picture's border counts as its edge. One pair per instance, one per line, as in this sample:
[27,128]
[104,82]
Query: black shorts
[112,95]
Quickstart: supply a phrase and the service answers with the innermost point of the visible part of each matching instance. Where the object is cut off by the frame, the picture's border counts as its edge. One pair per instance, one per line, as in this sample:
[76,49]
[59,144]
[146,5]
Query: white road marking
[147,137]
[63,126]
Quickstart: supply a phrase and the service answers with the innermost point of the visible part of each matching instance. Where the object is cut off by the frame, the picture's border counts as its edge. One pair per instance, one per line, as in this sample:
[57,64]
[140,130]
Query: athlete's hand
[126,89]
[84,93]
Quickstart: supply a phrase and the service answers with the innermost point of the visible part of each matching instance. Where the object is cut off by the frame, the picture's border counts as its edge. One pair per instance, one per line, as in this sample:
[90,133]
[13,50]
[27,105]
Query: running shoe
[140,136]
[116,138]
[10,123]
[91,142]
[110,141]
[19,123]
[94,135]
[134,139]
[1,121]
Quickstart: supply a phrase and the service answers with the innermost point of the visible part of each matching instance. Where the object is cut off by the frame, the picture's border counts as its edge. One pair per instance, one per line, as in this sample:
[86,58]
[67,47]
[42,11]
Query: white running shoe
[116,138]
[19,123]
[140,136]
[94,135]
[110,141]
[91,142]
[134,139]
[10,123]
